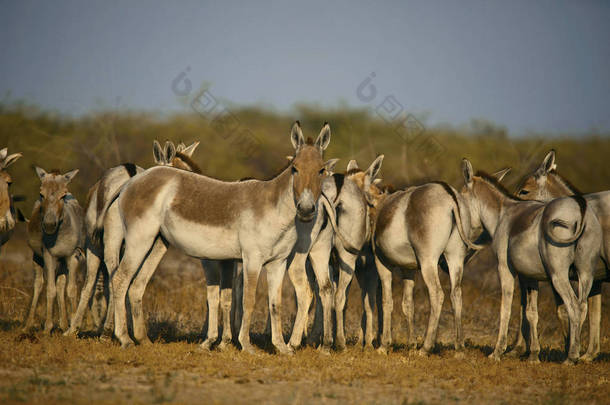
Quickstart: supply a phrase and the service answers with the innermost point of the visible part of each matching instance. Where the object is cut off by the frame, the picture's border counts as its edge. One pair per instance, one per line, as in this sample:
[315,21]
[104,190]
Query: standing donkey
[7,211]
[98,195]
[413,228]
[207,218]
[544,184]
[537,241]
[56,235]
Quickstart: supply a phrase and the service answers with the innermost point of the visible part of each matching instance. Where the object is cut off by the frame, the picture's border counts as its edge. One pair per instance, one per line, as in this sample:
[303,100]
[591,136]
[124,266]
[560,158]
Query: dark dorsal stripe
[186,159]
[131,169]
[566,182]
[449,191]
[494,182]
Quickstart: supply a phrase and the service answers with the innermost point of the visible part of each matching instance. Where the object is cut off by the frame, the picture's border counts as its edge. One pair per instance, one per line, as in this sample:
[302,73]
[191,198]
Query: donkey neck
[557,186]
[492,204]
[281,190]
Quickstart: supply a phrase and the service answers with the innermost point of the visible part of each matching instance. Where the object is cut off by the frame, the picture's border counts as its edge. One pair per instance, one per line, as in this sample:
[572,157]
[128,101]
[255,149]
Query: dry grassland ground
[38,368]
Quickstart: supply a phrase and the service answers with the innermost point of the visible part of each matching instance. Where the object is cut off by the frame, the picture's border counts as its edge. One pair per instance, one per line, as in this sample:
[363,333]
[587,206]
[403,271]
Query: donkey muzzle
[306,206]
[50,225]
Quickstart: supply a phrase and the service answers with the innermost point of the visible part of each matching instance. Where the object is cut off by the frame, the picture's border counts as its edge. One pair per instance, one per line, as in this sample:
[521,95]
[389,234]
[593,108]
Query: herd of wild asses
[345,224]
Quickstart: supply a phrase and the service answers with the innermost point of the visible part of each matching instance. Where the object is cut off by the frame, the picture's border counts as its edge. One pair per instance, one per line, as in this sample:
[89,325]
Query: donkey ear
[188,150]
[548,164]
[9,160]
[296,135]
[324,138]
[377,182]
[3,153]
[352,165]
[170,151]
[40,172]
[330,166]
[499,175]
[374,168]
[467,171]
[180,147]
[158,153]
[70,175]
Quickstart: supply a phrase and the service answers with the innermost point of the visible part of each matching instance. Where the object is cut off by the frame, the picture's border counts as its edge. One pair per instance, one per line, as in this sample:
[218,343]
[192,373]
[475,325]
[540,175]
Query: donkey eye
[524,192]
[294,170]
[41,196]
[322,171]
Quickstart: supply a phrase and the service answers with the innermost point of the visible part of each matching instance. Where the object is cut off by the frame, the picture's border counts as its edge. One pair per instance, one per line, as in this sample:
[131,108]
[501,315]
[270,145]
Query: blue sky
[530,66]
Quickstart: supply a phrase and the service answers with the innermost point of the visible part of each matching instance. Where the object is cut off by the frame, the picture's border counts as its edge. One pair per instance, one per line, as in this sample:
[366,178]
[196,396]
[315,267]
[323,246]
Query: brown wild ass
[98,195]
[7,211]
[413,228]
[56,235]
[250,220]
[537,241]
[544,184]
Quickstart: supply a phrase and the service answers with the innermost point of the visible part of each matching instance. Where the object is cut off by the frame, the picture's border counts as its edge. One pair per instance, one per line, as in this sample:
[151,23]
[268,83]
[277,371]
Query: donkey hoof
[569,362]
[223,345]
[459,355]
[206,345]
[324,349]
[382,350]
[587,358]
[127,344]
[534,358]
[248,348]
[368,347]
[145,341]
[71,332]
[494,356]
[423,352]
[340,347]
[284,350]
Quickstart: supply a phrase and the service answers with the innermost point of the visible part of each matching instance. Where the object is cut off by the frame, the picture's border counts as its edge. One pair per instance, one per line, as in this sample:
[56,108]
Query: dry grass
[38,368]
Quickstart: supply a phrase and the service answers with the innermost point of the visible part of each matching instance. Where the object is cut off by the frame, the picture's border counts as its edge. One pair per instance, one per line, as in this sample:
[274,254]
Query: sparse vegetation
[37,368]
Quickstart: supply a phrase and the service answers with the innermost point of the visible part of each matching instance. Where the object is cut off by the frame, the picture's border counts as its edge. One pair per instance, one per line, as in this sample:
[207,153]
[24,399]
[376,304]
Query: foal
[7,211]
[544,184]
[56,235]
[537,241]
[207,218]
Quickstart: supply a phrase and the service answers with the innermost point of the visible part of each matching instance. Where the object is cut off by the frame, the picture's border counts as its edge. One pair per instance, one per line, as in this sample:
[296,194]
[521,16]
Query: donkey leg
[298,277]
[520,344]
[61,300]
[320,256]
[73,265]
[212,279]
[38,282]
[113,240]
[51,265]
[531,313]
[385,276]
[251,271]
[369,280]
[561,283]
[137,246]
[93,263]
[562,315]
[347,267]
[275,277]
[507,284]
[429,271]
[595,314]
[455,262]
[226,287]
[408,308]
[99,303]
[138,286]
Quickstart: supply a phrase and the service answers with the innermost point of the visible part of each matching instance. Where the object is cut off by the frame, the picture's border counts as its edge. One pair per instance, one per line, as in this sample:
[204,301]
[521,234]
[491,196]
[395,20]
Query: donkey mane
[187,159]
[566,182]
[495,183]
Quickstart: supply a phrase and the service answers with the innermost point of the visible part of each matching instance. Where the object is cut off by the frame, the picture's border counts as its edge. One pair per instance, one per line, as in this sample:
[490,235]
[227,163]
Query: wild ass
[414,227]
[537,241]
[56,235]
[207,218]
[7,211]
[544,184]
[97,197]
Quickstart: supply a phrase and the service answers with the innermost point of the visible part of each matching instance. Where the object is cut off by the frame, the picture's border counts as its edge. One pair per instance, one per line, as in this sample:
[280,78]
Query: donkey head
[178,157]
[544,183]
[7,221]
[53,192]
[366,180]
[308,170]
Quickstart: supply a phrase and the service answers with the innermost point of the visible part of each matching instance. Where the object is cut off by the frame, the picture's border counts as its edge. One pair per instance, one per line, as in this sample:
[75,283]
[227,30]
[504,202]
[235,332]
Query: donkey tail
[458,218]
[99,223]
[347,245]
[550,225]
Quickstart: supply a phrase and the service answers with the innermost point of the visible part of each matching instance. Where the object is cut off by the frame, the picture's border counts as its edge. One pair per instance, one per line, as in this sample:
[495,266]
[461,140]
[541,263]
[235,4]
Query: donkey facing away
[7,211]
[56,235]
[98,195]
[537,241]
[544,184]
[212,219]
[413,228]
